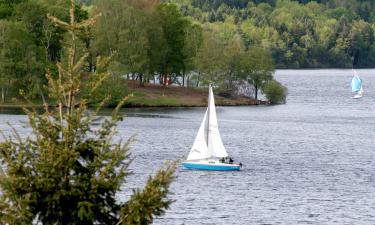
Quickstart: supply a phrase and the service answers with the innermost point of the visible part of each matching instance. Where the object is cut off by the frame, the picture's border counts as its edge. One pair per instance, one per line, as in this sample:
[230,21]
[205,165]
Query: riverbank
[152,95]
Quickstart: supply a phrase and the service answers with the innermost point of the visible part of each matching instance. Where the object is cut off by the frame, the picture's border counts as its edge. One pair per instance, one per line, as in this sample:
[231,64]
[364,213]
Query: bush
[275,92]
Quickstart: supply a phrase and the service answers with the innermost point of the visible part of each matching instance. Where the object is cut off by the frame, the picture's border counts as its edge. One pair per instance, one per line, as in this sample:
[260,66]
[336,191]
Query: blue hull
[197,166]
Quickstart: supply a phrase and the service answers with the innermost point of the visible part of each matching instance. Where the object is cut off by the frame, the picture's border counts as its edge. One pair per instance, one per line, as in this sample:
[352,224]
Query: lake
[310,161]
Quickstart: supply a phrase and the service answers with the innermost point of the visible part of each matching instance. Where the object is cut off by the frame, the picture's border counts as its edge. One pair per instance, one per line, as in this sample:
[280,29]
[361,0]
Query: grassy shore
[151,95]
[174,96]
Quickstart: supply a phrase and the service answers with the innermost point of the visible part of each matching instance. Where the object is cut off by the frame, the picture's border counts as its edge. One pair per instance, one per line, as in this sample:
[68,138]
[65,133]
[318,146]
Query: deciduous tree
[256,67]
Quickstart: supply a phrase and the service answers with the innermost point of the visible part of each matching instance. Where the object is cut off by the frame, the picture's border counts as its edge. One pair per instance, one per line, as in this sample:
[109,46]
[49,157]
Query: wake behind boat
[208,151]
[356,85]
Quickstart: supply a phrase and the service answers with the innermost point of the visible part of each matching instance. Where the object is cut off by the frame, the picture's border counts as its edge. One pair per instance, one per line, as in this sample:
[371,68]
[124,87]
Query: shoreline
[157,96]
[134,106]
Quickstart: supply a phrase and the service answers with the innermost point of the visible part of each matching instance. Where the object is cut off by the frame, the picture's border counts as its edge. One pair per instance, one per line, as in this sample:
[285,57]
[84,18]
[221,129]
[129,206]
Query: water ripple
[310,161]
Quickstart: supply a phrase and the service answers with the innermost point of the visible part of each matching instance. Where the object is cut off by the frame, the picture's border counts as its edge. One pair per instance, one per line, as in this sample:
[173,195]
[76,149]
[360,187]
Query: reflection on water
[310,161]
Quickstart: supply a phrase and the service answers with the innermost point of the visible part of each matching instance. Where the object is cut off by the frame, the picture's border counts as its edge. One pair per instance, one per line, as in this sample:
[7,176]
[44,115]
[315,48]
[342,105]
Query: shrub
[275,92]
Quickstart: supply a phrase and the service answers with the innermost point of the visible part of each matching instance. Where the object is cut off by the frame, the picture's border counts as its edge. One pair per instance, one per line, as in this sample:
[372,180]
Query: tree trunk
[256,92]
[161,79]
[2,94]
[183,78]
[199,75]
[230,81]
[141,81]
[164,80]
[7,88]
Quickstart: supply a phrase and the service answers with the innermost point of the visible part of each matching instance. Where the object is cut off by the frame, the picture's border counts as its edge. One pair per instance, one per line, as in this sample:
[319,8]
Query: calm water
[310,161]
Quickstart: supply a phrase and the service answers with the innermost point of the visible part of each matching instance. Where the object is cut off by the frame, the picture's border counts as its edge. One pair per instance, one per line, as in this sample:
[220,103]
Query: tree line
[149,41]
[299,34]
[190,42]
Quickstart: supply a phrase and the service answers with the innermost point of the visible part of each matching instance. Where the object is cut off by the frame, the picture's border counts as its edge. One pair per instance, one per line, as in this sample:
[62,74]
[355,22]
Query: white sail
[199,149]
[208,146]
[360,92]
[215,144]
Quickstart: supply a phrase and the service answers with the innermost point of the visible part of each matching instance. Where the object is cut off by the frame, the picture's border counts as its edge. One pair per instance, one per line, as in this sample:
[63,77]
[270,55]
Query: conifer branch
[78,66]
[72,17]
[58,23]
[151,201]
[89,22]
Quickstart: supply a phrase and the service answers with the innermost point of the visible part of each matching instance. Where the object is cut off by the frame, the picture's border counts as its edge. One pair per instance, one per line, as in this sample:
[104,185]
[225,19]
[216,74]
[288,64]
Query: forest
[185,42]
[299,34]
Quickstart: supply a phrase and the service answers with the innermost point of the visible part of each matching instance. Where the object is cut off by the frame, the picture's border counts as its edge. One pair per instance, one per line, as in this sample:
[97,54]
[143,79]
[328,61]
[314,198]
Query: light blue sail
[356,84]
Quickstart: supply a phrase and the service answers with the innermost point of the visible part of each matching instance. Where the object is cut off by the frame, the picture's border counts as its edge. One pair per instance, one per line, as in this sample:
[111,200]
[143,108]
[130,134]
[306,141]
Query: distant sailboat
[208,151]
[356,84]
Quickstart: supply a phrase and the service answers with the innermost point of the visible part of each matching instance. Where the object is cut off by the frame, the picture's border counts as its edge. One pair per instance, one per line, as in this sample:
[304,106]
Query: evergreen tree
[67,172]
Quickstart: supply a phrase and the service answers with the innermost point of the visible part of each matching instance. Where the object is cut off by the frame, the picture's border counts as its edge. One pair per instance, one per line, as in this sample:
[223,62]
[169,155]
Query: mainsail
[209,145]
[215,144]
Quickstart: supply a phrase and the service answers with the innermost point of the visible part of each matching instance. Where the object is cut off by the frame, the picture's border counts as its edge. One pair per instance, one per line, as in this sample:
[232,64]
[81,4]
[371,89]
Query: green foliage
[7,7]
[146,42]
[36,44]
[173,26]
[256,67]
[67,171]
[20,64]
[200,41]
[112,91]
[275,92]
[150,201]
[209,61]
[133,46]
[299,34]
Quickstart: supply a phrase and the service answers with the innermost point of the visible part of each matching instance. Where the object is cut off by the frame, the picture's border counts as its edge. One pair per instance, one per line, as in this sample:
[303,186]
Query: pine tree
[67,171]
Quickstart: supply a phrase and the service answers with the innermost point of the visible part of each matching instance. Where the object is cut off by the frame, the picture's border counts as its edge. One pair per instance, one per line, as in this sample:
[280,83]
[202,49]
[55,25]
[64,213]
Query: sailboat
[357,85]
[208,151]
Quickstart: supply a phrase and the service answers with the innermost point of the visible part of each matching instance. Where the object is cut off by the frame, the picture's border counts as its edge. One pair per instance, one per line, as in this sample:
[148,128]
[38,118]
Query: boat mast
[208,113]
